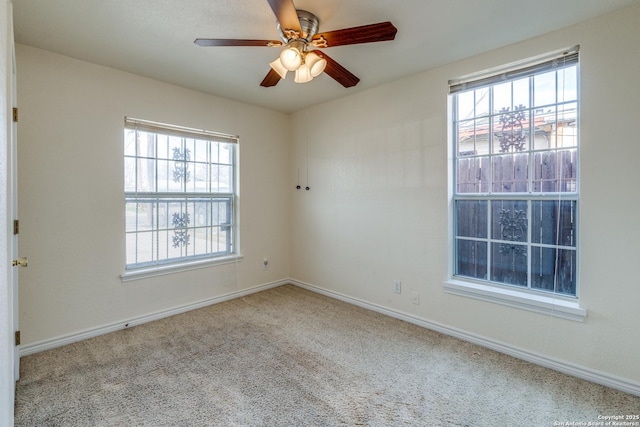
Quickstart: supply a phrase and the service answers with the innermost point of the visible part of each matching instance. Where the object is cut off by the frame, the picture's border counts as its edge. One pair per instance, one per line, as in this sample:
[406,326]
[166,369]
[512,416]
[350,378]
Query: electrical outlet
[397,286]
[415,298]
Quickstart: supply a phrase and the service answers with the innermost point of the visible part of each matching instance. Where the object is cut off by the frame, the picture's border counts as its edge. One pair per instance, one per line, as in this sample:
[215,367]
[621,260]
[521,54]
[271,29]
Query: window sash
[481,232]
[204,228]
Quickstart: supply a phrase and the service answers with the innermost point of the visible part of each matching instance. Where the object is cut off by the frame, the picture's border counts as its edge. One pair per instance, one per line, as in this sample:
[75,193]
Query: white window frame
[189,199]
[549,303]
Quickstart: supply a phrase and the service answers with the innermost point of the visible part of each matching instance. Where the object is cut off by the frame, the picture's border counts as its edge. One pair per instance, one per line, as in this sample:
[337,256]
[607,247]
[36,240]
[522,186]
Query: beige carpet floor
[290,357]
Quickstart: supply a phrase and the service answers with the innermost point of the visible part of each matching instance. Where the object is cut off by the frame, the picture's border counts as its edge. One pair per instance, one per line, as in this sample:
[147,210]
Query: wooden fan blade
[271,79]
[286,13]
[382,31]
[236,42]
[338,72]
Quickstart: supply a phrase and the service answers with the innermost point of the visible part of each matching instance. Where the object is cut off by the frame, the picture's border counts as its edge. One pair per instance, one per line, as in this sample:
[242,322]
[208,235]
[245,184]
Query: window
[515,192]
[180,194]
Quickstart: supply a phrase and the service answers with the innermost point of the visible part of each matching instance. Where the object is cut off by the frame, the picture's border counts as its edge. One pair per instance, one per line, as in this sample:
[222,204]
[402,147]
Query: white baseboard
[599,377]
[51,343]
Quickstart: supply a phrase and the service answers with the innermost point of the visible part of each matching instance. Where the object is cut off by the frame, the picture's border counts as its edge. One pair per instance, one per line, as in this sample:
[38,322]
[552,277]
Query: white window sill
[545,304]
[161,270]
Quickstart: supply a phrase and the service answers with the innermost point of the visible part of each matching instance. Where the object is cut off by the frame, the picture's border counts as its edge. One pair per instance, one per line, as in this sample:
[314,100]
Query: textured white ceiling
[154,38]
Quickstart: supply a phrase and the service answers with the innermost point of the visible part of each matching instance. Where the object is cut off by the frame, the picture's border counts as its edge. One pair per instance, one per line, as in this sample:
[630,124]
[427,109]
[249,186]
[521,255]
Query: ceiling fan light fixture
[299,31]
[279,68]
[303,74]
[316,63]
[291,56]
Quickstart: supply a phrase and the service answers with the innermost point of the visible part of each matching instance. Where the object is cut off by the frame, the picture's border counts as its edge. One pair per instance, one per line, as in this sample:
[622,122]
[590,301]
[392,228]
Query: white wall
[72,203]
[377,209]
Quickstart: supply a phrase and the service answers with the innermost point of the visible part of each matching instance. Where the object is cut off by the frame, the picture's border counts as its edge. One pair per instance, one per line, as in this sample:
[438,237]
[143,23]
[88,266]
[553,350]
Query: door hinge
[17,337]
[16,226]
[15,114]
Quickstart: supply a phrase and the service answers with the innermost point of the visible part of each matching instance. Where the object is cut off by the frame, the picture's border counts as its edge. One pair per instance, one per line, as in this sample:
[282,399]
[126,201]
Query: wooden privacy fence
[552,171]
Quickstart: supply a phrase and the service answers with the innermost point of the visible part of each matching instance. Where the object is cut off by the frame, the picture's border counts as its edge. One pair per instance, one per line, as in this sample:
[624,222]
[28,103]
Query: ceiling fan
[298,33]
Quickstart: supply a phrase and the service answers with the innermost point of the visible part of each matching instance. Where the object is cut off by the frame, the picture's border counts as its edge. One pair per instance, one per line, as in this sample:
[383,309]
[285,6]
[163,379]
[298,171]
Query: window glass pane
[568,84]
[473,175]
[553,222]
[502,97]
[544,89]
[509,220]
[471,218]
[130,144]
[201,209]
[222,213]
[200,178]
[545,122]
[165,177]
[146,173]
[553,270]
[521,93]
[510,173]
[567,161]
[200,241]
[201,151]
[164,152]
[511,131]
[465,104]
[473,137]
[567,131]
[131,248]
[130,174]
[174,143]
[161,215]
[146,145]
[482,101]
[555,171]
[181,169]
[139,216]
[131,216]
[471,258]
[224,153]
[473,104]
[222,182]
[482,135]
[466,138]
[217,240]
[165,250]
[143,247]
[214,152]
[188,149]
[509,263]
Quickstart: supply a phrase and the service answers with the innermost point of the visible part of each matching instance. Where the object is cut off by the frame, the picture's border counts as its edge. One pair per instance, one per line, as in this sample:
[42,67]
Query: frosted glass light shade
[315,63]
[279,68]
[291,58]
[303,74]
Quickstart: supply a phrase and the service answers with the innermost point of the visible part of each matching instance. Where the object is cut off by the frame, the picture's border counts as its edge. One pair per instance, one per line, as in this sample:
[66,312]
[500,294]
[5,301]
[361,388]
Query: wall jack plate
[415,298]
[397,286]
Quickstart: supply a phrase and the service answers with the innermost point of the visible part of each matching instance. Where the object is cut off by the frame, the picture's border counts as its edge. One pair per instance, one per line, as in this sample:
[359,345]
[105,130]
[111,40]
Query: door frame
[8,310]
[13,141]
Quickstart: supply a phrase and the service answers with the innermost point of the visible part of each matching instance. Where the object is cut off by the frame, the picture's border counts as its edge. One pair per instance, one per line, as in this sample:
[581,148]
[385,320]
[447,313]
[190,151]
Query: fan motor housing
[309,23]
